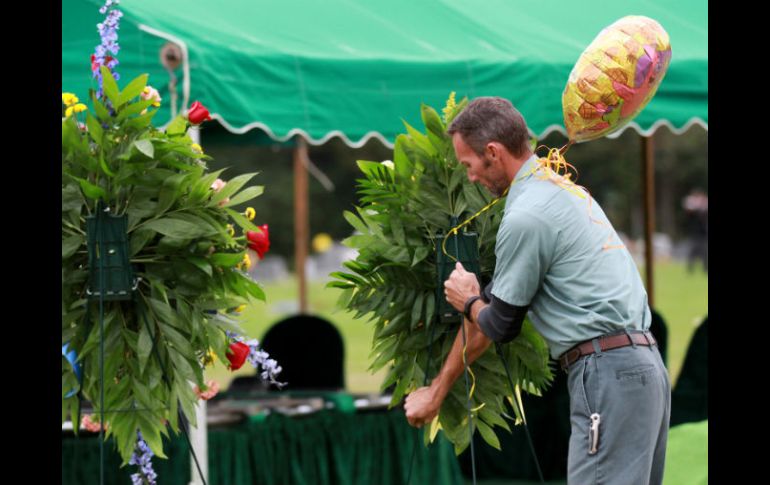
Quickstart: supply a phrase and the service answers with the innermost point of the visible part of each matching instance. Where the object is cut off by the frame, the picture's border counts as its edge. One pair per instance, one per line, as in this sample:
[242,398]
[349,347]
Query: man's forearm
[453,367]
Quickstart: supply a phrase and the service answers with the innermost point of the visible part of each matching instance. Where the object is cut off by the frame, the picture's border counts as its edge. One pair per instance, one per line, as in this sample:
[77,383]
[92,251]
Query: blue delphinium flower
[143,458]
[105,54]
[259,358]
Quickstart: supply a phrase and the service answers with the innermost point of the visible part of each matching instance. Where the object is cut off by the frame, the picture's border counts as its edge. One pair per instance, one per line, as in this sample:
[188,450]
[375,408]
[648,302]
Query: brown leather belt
[606,343]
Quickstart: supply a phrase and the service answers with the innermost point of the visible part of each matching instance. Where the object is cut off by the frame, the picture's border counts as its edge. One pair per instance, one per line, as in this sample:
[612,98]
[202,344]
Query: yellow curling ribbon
[556,169]
[456,229]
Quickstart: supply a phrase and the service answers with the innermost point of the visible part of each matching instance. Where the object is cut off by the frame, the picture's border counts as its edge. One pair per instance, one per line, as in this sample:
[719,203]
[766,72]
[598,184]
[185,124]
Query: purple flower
[259,358]
[143,457]
[108,32]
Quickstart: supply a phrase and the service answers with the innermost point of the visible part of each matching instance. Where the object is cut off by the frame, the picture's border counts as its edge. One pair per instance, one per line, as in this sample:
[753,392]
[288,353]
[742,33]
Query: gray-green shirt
[567,263]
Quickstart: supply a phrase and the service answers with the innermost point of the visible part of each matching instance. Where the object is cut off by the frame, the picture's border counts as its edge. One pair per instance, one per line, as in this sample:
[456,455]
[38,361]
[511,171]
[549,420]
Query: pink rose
[218,185]
[150,93]
[90,425]
[213,389]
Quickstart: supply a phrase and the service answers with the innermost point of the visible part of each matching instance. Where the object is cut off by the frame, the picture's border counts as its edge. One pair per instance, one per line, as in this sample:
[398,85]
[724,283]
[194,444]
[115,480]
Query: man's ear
[492,150]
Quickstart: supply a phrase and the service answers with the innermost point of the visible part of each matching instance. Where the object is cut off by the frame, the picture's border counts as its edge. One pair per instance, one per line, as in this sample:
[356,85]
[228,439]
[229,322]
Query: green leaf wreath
[183,252]
[405,207]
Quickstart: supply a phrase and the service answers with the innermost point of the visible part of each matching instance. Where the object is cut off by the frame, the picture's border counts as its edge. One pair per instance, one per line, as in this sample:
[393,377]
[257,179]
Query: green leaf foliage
[185,261]
[394,283]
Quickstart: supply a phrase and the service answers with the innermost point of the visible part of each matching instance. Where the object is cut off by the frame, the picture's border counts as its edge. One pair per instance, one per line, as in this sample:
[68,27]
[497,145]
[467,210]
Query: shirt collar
[527,169]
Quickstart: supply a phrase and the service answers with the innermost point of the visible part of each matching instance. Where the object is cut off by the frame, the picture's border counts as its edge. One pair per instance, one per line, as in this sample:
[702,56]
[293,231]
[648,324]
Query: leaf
[179,342]
[181,365]
[166,315]
[70,245]
[226,324]
[232,186]
[242,222]
[253,288]
[104,166]
[151,434]
[354,221]
[138,239]
[386,353]
[145,147]
[226,260]
[90,190]
[435,426]
[110,86]
[95,130]
[177,126]
[247,195]
[403,384]
[417,309]
[398,230]
[71,199]
[176,228]
[421,140]
[142,121]
[488,434]
[101,110]
[420,254]
[144,347]
[132,90]
[201,264]
[133,109]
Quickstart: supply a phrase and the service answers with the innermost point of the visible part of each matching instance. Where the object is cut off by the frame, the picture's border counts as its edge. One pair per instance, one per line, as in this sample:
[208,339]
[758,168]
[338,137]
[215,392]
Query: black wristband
[468,304]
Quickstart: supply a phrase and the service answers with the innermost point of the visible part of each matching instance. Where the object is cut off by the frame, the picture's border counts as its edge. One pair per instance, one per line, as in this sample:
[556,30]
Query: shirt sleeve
[524,251]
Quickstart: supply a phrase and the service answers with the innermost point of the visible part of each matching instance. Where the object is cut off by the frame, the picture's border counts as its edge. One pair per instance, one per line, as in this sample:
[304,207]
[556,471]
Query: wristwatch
[469,304]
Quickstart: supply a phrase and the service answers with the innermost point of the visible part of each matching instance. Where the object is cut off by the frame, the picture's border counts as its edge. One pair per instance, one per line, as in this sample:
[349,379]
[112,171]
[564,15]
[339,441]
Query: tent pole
[648,178]
[199,434]
[301,219]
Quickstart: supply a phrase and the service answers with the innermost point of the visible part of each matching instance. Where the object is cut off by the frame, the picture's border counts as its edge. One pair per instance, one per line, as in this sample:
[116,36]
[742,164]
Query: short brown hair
[487,119]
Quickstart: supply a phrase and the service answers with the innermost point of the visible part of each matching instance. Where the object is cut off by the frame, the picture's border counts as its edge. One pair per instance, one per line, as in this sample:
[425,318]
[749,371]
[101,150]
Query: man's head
[490,138]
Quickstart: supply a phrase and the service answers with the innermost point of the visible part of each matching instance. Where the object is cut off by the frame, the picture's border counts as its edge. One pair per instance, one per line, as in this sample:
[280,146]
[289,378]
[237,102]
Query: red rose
[237,355]
[198,113]
[259,241]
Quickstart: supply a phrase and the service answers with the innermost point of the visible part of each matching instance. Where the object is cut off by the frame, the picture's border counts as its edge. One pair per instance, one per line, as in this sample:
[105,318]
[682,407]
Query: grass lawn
[681,298]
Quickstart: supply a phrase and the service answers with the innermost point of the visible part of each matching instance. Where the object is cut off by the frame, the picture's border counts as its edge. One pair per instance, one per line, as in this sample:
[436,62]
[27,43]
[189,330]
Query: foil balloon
[615,77]
[72,358]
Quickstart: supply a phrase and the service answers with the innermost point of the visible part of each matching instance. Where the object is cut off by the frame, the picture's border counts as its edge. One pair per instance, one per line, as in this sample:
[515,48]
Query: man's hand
[460,286]
[421,406]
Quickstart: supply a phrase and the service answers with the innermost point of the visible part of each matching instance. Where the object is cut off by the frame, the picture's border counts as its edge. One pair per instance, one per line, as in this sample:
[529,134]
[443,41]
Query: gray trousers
[630,391]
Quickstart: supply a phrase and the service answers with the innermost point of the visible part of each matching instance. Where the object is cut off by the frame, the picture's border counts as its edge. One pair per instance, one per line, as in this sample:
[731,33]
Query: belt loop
[630,338]
[597,347]
[646,334]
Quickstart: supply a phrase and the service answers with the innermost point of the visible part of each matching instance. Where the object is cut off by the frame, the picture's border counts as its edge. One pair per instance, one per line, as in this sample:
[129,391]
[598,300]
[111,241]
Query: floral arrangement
[406,208]
[188,263]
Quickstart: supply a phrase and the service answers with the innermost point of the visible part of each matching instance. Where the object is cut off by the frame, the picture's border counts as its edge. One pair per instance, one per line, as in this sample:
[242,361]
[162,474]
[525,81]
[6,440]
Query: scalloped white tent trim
[374,134]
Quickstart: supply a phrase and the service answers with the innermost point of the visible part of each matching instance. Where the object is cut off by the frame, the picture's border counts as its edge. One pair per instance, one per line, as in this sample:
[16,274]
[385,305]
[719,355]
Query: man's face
[481,169]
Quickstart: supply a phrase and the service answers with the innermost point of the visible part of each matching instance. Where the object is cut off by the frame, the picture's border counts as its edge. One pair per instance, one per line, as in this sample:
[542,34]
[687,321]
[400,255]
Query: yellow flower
[322,242]
[69,99]
[247,261]
[196,148]
[230,230]
[250,213]
[450,106]
[240,308]
[210,357]
[78,108]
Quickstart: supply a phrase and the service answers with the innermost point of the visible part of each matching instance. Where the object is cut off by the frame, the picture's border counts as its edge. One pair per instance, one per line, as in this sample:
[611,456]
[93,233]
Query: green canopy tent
[315,70]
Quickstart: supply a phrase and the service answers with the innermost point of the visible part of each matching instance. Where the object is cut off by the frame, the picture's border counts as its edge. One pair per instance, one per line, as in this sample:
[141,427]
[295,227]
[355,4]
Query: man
[559,259]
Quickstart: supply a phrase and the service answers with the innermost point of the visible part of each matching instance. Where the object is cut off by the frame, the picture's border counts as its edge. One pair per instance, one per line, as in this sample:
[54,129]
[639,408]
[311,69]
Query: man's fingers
[459,267]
